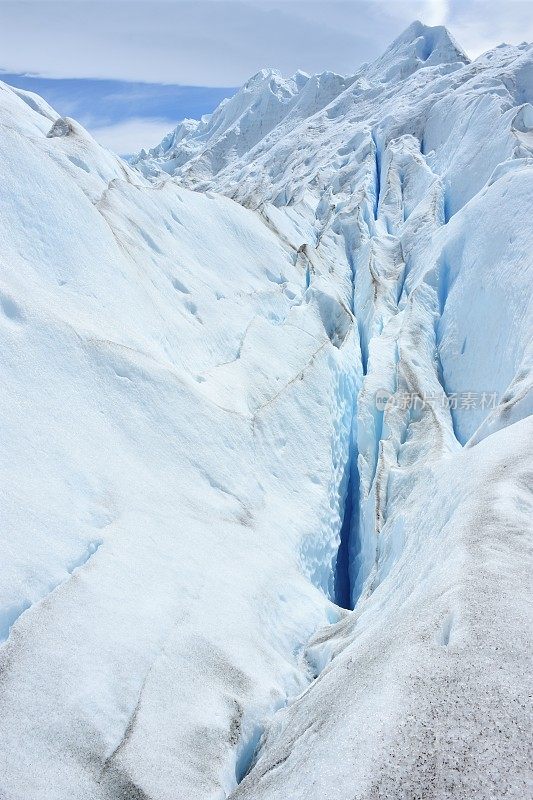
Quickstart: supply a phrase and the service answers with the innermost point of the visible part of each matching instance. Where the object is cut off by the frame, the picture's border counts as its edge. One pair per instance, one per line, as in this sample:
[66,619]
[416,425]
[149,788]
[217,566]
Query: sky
[130,70]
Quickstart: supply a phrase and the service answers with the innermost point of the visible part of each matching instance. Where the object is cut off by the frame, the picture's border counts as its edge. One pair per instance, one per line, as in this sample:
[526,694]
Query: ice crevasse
[266,458]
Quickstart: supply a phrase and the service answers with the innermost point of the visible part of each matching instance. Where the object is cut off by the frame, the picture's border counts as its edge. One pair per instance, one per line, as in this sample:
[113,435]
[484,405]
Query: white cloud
[203,42]
[437,12]
[482,24]
[199,43]
[130,136]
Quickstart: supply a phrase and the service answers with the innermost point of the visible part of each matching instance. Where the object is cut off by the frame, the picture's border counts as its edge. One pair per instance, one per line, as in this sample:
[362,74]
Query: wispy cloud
[131,135]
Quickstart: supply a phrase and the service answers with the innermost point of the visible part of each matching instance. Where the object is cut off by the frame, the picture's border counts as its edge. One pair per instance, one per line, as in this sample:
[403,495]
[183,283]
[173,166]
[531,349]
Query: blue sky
[130,70]
[123,115]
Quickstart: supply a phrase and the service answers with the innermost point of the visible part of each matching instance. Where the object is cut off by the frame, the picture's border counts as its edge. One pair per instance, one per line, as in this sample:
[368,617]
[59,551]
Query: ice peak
[435,42]
[261,76]
[300,78]
[419,45]
[415,30]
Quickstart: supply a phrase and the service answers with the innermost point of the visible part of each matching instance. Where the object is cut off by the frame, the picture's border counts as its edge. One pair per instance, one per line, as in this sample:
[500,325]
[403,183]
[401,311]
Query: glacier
[266,465]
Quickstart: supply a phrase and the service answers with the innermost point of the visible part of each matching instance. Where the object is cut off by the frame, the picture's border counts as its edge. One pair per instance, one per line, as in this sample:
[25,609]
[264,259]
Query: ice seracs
[241,121]
[232,415]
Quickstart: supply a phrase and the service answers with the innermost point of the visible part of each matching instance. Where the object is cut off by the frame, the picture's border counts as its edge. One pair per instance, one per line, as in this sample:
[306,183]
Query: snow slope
[228,423]
[161,505]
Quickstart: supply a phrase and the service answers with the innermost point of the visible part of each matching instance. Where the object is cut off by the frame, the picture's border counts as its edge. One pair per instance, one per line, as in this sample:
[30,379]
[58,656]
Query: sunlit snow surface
[189,396]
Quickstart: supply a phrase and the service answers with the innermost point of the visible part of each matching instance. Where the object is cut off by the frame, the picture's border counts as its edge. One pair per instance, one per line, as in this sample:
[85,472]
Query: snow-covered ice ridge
[265,452]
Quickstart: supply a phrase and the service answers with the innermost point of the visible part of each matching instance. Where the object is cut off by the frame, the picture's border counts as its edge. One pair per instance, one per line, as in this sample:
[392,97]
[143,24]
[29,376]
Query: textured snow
[424,695]
[164,369]
[197,466]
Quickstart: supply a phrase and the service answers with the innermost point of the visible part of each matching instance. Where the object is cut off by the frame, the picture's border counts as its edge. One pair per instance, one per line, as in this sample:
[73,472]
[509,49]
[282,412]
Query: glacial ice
[266,450]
